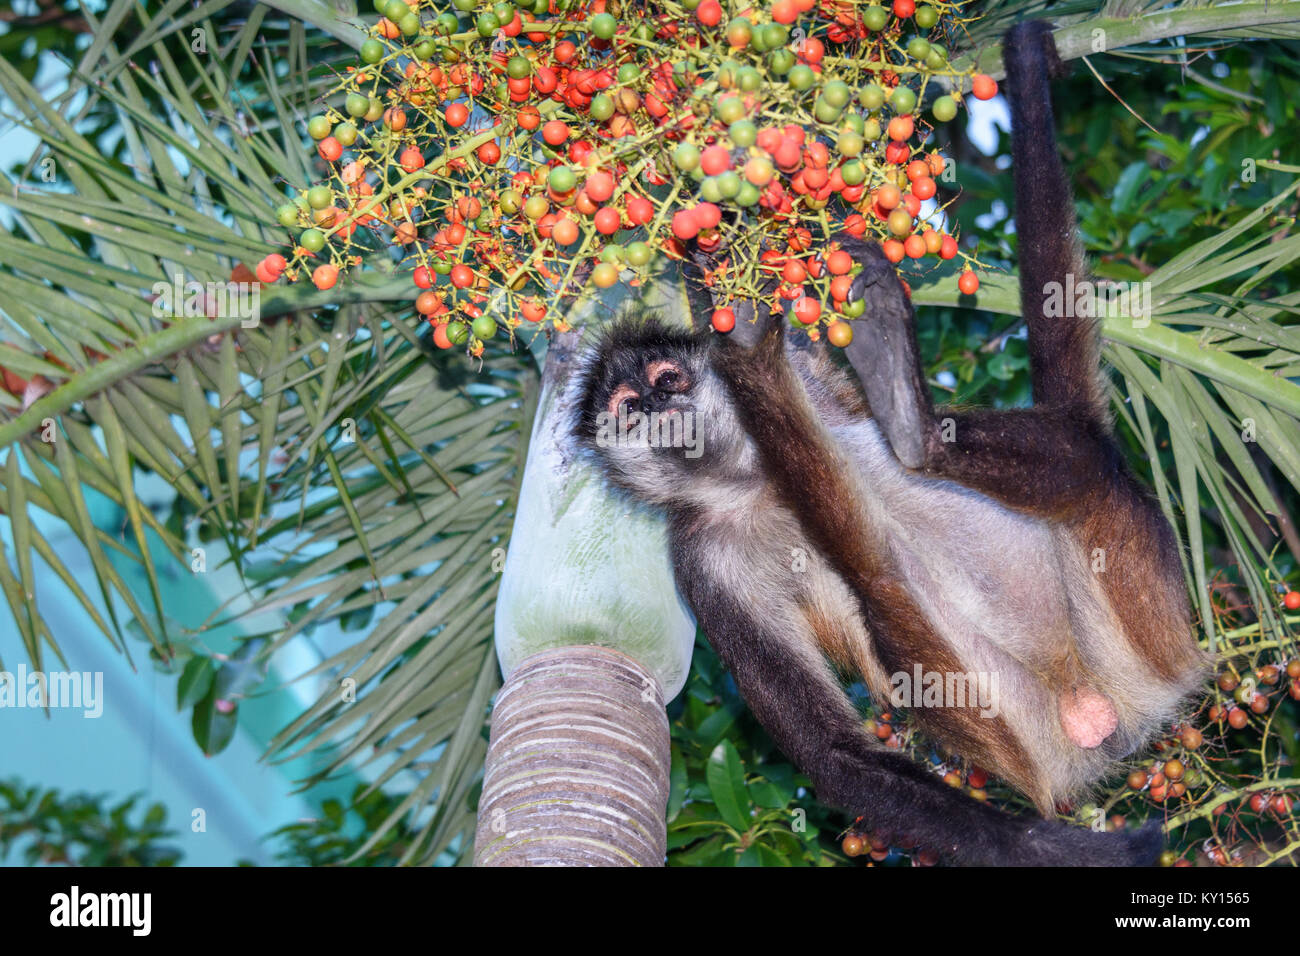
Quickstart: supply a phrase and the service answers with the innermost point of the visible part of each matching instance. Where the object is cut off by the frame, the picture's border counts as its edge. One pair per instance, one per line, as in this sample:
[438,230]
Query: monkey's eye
[620,397]
[666,375]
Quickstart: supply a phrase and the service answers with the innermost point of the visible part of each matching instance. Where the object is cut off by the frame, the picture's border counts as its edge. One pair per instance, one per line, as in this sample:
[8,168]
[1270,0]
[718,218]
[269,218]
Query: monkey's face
[654,412]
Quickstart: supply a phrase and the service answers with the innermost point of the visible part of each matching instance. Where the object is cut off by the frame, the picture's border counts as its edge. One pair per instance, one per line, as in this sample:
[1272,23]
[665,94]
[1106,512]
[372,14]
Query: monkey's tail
[1064,348]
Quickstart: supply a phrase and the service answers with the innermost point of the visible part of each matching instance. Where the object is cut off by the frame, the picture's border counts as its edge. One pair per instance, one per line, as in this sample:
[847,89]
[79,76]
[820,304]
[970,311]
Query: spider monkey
[891,537]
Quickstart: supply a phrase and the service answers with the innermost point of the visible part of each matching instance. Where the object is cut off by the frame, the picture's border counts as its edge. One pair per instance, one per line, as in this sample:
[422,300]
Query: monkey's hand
[753,316]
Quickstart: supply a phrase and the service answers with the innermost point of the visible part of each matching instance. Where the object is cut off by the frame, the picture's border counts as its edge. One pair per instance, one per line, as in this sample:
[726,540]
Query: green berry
[313,240]
[902,101]
[802,77]
[850,144]
[318,127]
[639,254]
[601,107]
[346,134]
[944,109]
[603,26]
[743,133]
[318,197]
[872,97]
[780,62]
[686,157]
[731,109]
[748,194]
[562,179]
[356,104]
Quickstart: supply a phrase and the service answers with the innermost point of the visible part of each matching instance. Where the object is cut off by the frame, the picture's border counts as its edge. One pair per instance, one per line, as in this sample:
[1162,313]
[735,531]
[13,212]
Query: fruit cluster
[511,155]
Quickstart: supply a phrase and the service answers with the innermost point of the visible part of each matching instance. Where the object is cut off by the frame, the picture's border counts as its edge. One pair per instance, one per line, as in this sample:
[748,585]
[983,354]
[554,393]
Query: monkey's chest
[978,570]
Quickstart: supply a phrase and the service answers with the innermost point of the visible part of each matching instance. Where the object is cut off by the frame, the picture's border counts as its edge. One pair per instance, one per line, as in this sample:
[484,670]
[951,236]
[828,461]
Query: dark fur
[1056,463]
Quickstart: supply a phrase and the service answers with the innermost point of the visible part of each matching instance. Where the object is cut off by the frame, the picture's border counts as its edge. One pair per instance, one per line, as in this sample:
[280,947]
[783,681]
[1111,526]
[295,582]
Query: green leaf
[726,777]
[195,681]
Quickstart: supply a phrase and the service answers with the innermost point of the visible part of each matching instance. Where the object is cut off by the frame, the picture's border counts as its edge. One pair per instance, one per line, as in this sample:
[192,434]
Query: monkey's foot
[1087,716]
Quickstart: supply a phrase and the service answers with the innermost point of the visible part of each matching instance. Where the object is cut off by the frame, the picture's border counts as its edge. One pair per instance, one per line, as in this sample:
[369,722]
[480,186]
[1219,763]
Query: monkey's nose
[654,401]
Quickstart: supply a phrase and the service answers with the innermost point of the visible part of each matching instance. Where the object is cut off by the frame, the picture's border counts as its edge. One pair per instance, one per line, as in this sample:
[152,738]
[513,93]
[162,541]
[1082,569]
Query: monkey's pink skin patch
[1087,716]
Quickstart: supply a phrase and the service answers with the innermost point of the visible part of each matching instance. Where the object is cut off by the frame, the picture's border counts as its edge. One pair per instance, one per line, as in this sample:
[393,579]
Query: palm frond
[349,480]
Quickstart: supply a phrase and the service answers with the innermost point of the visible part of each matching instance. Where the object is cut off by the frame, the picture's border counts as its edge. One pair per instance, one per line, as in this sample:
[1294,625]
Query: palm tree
[348,473]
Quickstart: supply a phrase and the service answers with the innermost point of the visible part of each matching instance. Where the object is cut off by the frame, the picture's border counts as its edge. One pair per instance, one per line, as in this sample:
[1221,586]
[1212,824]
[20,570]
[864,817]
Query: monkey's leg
[1053,460]
[791,691]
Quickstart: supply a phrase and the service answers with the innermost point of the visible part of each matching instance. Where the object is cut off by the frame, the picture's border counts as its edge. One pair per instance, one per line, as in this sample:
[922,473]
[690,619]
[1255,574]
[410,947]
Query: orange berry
[900,128]
[457,115]
[565,231]
[330,149]
[969,283]
[555,132]
[983,87]
[724,320]
[839,262]
[709,13]
[807,309]
[324,276]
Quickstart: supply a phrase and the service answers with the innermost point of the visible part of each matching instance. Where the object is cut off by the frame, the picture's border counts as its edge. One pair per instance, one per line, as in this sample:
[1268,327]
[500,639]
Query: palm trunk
[577,766]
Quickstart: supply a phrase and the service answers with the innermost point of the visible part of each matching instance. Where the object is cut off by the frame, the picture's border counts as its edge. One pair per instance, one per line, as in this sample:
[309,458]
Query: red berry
[555,132]
[1291,600]
[600,186]
[607,220]
[724,320]
[461,275]
[715,160]
[330,149]
[707,215]
[709,13]
[839,262]
[457,114]
[685,225]
[640,210]
[807,309]
[983,87]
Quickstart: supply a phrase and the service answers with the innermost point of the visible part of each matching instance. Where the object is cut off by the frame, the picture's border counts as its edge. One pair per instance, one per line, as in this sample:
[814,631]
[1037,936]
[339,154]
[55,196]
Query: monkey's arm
[788,686]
